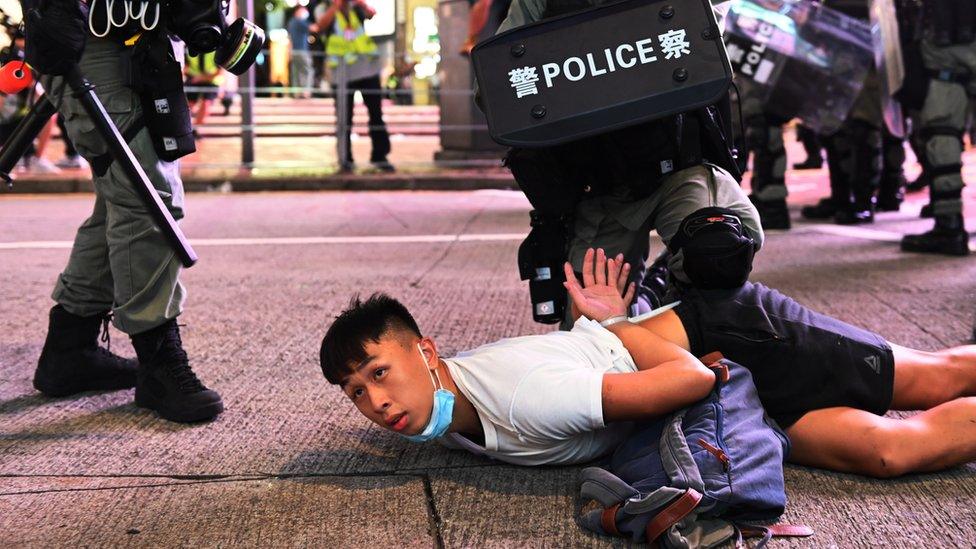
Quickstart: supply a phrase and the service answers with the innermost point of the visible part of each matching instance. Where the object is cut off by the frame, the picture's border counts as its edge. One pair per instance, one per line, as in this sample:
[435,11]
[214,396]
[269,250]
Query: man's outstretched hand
[602,294]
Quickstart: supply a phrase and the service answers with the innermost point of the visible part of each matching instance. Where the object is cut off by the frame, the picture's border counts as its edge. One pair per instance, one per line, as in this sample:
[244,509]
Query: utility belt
[949,75]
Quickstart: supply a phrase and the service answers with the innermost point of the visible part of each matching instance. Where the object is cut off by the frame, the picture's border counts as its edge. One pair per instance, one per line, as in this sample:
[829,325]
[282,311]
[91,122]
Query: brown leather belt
[608,520]
[671,514]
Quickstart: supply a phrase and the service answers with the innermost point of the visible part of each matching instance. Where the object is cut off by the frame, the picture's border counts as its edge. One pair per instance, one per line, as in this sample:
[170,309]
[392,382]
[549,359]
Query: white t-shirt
[540,398]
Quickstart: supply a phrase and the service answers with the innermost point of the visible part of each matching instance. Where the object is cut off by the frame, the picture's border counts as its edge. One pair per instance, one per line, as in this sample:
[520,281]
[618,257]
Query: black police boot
[72,361]
[858,213]
[811,163]
[889,202]
[948,237]
[166,383]
[824,209]
[891,194]
[773,214]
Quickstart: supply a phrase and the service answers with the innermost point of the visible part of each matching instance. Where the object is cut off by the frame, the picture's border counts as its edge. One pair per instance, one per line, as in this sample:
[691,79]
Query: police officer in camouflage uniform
[764,140]
[854,152]
[948,52]
[626,193]
[121,267]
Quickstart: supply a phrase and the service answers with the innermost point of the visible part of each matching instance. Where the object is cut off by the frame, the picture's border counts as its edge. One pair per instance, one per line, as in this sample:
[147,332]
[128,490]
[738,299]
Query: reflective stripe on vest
[348,40]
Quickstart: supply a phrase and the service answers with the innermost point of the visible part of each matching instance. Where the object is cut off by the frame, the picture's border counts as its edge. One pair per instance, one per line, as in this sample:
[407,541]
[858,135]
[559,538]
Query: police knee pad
[717,252]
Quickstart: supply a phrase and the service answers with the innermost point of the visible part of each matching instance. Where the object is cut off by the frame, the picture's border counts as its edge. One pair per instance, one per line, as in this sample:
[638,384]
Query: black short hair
[362,322]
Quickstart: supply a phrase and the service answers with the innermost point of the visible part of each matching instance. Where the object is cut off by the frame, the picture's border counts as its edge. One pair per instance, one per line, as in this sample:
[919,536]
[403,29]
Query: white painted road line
[859,233]
[856,232]
[298,240]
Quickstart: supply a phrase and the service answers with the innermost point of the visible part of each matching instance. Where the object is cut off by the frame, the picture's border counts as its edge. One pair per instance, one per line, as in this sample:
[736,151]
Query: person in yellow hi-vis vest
[352,54]
[202,71]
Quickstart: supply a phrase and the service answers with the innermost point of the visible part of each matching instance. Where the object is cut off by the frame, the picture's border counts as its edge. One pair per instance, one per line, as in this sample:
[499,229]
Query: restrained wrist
[613,320]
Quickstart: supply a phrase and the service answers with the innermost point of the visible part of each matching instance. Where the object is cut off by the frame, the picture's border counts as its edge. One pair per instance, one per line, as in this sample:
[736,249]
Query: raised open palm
[604,280]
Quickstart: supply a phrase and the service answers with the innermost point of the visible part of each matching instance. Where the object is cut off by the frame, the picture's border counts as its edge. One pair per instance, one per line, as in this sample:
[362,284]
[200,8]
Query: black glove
[55,35]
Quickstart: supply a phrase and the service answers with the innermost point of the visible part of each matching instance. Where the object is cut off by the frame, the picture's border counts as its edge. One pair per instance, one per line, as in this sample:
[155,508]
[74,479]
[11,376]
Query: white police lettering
[593,70]
[673,44]
[643,51]
[567,66]
[754,65]
[622,56]
[609,55]
[736,54]
[550,70]
[524,80]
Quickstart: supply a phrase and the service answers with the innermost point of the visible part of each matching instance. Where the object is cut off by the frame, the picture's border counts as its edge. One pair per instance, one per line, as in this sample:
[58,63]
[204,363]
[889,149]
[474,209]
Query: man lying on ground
[571,397]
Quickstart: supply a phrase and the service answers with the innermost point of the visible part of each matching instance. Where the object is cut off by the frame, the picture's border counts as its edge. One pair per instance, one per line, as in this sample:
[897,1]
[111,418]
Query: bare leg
[203,110]
[193,110]
[855,441]
[924,379]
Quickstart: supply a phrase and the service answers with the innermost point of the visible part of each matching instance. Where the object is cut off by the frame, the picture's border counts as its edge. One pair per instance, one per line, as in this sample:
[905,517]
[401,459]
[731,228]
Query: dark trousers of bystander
[373,98]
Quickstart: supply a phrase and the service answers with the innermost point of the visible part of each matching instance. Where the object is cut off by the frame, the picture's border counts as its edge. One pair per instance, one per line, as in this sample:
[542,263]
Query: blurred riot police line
[609,190]
[779,70]
[121,268]
[855,152]
[763,133]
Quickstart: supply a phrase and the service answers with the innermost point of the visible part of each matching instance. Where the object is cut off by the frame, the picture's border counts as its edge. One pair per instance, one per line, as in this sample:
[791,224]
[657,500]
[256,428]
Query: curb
[412,182]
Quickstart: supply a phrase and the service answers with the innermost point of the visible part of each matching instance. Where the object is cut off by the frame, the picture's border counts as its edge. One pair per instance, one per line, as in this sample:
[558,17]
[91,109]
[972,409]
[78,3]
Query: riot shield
[806,60]
[600,69]
[889,61]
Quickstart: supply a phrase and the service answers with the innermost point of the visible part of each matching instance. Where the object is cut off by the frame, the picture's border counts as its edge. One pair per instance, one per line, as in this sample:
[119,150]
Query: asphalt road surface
[292,463]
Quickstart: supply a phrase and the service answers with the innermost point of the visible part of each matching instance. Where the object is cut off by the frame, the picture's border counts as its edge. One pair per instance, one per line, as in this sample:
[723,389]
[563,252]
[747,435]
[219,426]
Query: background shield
[807,61]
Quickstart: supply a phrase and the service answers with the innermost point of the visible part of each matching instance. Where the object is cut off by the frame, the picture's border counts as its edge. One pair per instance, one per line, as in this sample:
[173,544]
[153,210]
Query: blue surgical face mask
[441,414]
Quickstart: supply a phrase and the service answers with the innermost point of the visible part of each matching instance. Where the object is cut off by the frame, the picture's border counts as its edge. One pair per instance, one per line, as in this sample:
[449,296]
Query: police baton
[25,132]
[84,91]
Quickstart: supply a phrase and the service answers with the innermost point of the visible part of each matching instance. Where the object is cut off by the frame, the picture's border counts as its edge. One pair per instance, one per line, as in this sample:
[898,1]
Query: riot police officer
[948,80]
[121,268]
[854,152]
[608,191]
[764,140]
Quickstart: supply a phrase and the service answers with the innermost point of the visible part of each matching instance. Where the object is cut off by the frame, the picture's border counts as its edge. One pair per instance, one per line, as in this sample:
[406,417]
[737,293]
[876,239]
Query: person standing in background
[354,58]
[300,73]
[202,71]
